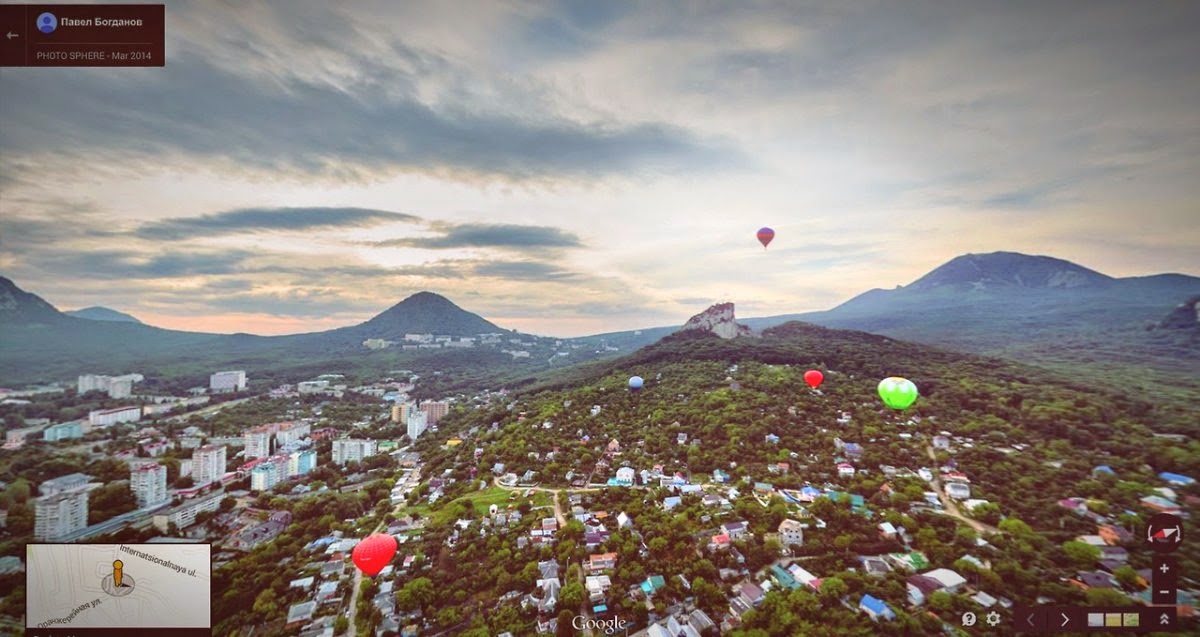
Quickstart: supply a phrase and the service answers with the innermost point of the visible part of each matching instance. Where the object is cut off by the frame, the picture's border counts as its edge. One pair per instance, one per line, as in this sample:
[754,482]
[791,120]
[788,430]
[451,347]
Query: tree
[341,624]
[564,628]
[941,601]
[708,596]
[1016,527]
[1080,554]
[833,588]
[1106,597]
[417,593]
[571,596]
[1127,577]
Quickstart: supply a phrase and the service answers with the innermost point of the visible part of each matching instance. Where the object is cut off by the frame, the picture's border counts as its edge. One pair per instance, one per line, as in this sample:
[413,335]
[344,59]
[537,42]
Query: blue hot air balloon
[635,383]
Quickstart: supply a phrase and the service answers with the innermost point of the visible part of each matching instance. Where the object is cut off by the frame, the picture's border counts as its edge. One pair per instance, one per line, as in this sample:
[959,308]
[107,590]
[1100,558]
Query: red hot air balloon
[764,236]
[813,378]
[374,553]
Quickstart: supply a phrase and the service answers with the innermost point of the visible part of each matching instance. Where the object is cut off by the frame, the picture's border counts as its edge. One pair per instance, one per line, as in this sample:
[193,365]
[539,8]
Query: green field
[483,500]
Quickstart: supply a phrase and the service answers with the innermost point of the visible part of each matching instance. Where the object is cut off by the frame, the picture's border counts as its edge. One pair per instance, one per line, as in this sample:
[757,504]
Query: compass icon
[1164,533]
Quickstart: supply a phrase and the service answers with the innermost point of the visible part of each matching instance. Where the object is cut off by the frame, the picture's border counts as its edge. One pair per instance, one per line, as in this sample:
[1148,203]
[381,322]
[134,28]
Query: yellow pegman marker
[117,573]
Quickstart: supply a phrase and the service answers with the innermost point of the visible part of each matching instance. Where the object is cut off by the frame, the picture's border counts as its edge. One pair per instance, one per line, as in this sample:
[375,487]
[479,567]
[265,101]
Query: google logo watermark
[608,626]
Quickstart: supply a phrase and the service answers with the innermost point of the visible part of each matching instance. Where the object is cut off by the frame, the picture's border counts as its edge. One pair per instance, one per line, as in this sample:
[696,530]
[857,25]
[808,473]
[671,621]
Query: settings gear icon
[993,618]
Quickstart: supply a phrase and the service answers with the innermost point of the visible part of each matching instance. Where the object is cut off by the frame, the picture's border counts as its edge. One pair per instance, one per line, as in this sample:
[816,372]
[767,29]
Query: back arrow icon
[12,35]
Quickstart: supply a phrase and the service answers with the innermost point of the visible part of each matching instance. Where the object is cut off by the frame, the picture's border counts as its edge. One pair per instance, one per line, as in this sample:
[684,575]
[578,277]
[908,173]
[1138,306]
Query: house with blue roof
[876,608]
[784,578]
[1177,479]
[1103,469]
[653,584]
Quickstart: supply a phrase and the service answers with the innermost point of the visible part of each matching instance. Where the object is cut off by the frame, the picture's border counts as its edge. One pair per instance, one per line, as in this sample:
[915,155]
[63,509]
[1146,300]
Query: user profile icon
[47,23]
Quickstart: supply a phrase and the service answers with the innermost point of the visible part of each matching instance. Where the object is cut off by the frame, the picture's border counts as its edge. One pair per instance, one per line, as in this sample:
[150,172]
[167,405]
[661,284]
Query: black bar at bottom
[117,632]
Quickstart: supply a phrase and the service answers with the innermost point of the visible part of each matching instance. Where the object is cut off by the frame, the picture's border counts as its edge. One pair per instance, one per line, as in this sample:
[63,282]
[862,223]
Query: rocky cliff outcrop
[719,320]
[1186,316]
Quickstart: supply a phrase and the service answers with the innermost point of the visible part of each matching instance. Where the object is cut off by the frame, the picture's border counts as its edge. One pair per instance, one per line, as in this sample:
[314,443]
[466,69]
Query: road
[950,506]
[115,523]
[209,409]
[351,631]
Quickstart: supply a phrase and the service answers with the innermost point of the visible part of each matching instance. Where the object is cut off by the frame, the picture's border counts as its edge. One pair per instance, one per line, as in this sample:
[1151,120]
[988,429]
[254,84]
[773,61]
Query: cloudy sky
[578,167]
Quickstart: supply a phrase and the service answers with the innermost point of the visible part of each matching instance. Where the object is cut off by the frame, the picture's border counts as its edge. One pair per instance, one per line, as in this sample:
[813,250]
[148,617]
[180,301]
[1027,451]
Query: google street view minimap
[163,586]
[578,318]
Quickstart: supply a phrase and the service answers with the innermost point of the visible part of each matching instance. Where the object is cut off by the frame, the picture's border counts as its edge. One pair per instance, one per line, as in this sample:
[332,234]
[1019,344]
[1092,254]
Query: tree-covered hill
[1024,437]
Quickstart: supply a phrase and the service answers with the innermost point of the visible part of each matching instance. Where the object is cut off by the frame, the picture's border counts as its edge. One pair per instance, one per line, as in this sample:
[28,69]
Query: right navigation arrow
[1066,620]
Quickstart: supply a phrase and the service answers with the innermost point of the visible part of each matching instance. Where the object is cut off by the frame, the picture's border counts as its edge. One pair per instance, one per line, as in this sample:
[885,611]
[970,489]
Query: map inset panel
[82,586]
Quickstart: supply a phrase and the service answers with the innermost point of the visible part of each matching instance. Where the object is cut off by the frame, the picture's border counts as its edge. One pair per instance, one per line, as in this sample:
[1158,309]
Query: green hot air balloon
[897,393]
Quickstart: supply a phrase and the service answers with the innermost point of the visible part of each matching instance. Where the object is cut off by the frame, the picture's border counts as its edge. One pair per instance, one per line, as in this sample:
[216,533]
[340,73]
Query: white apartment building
[148,481]
[268,474]
[347,449]
[208,464]
[229,381]
[62,508]
[301,462]
[115,386]
[417,423]
[312,387]
[184,515]
[258,443]
[290,432]
[106,417]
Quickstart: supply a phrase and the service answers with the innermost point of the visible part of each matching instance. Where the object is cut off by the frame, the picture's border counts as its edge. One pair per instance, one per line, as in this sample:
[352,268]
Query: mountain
[719,320]
[977,272]
[18,307]
[97,313]
[38,343]
[1039,310]
[1184,317]
[425,313]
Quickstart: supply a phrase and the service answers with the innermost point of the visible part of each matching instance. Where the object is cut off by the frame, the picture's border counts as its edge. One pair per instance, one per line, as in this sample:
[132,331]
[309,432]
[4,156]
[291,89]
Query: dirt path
[950,506]
[558,512]
[351,614]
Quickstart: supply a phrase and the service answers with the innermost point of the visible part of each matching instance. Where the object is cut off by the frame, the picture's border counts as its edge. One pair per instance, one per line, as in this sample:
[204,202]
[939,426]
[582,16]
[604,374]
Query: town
[605,527]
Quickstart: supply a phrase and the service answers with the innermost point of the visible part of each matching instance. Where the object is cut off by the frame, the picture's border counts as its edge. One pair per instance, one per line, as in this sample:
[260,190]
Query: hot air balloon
[764,236]
[635,383]
[898,393]
[813,378]
[374,553]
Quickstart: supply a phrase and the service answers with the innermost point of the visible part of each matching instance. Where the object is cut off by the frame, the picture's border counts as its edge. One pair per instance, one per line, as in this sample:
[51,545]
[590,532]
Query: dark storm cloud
[133,265]
[523,271]
[316,302]
[197,110]
[266,219]
[128,264]
[482,235]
